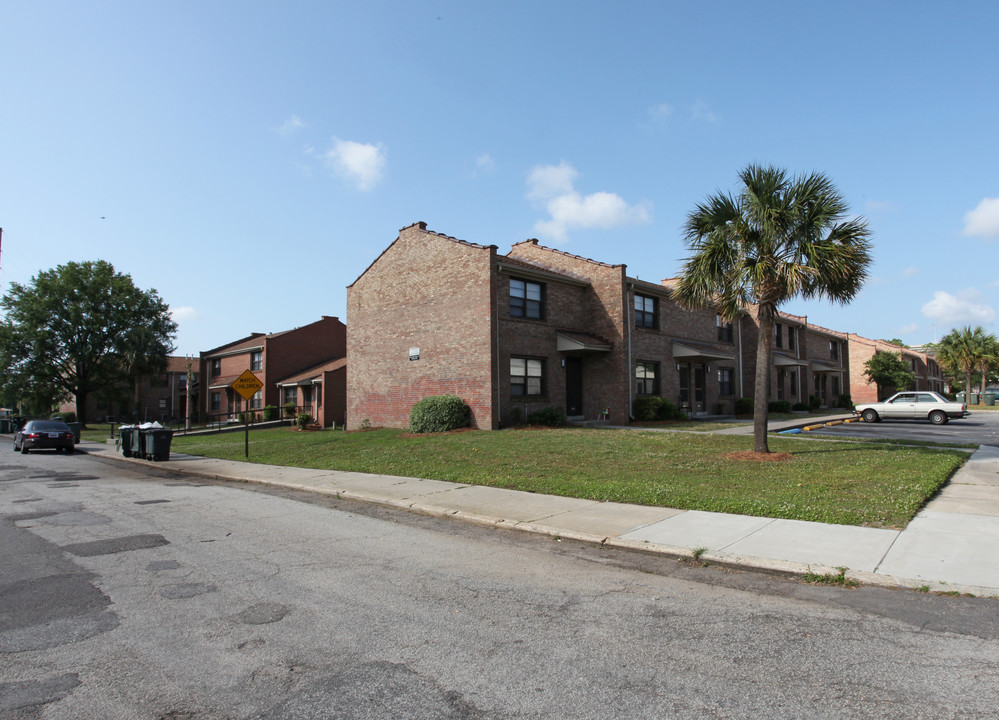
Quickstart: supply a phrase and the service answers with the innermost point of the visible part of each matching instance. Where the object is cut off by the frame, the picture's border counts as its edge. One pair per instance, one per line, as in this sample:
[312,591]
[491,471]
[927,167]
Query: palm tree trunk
[764,346]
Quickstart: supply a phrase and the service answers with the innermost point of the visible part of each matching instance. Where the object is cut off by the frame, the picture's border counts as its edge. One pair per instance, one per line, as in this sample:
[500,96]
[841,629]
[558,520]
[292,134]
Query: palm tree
[781,237]
[966,351]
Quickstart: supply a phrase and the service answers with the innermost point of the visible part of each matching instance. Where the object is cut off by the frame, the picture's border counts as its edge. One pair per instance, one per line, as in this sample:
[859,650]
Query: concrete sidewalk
[950,546]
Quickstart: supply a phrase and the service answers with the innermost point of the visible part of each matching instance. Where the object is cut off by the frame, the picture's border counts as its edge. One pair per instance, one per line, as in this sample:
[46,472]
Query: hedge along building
[512,334]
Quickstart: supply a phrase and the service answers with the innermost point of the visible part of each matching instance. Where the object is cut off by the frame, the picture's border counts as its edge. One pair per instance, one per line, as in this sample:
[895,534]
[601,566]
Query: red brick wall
[430,292]
[598,310]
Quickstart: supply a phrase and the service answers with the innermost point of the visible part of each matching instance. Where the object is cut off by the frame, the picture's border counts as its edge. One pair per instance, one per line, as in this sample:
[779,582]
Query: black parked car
[38,434]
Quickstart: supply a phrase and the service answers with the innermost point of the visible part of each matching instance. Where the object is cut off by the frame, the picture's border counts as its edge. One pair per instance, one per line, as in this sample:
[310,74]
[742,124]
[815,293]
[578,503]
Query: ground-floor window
[216,401]
[526,375]
[794,383]
[647,378]
[290,395]
[835,386]
[780,383]
[726,385]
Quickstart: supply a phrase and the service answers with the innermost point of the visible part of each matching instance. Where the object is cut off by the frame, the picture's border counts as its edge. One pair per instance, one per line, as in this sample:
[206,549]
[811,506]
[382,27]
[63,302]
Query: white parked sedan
[913,405]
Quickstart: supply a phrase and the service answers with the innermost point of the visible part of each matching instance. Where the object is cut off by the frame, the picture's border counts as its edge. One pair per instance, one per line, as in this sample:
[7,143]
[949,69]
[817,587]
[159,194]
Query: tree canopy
[78,329]
[888,370]
[779,238]
[968,351]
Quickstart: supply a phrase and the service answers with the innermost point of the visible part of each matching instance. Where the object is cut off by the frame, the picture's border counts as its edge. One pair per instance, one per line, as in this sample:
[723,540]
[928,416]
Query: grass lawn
[835,482]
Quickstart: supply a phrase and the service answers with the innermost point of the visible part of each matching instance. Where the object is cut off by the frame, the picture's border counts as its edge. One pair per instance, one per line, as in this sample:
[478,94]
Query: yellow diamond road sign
[247,384]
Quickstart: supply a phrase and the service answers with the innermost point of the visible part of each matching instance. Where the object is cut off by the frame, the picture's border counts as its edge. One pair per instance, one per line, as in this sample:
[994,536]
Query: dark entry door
[573,386]
[699,388]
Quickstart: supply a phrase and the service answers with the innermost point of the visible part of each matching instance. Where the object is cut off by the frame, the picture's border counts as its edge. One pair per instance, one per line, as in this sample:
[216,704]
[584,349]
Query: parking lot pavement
[980,428]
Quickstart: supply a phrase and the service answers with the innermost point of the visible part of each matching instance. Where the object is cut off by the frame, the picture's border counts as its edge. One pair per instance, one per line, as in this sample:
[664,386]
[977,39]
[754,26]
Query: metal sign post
[247,385]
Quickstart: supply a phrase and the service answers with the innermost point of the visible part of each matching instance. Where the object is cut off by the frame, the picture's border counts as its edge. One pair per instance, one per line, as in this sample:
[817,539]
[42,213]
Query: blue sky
[249,160]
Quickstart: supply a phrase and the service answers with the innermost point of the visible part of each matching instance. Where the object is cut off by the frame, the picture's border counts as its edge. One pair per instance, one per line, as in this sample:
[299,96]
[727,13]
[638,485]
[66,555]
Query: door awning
[580,342]
[781,360]
[824,367]
[693,351]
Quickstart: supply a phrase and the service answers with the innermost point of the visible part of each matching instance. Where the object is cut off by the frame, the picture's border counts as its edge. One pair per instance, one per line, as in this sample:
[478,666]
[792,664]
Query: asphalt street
[131,593]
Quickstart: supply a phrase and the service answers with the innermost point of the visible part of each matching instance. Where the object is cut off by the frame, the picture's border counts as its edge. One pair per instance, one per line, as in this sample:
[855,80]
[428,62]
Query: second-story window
[779,335]
[724,329]
[833,349]
[791,332]
[216,367]
[526,299]
[645,311]
[256,360]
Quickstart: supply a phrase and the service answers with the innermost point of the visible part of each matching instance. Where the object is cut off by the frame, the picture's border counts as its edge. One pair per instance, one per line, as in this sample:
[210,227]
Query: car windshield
[47,426]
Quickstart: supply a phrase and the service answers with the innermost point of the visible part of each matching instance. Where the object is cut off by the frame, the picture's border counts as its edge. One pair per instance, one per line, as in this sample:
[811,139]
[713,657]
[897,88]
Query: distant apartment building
[303,369]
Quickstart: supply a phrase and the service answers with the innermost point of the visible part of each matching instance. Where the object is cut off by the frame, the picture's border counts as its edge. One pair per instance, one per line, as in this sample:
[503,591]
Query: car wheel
[870,416]
[68,450]
[24,449]
[938,417]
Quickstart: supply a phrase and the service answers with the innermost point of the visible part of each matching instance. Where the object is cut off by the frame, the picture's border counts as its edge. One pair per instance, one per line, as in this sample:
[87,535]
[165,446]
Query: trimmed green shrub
[646,407]
[302,420]
[844,401]
[438,413]
[549,417]
[669,411]
[270,412]
[800,406]
[814,402]
[289,409]
[779,406]
[64,416]
[744,406]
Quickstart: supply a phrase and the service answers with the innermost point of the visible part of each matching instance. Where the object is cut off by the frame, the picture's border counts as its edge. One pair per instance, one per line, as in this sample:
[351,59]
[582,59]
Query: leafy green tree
[68,332]
[779,238]
[888,371]
[896,341]
[966,351]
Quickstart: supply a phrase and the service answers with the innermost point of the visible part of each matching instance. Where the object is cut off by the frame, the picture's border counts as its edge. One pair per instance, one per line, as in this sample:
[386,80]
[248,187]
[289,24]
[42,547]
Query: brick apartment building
[539,327]
[923,366]
[305,367]
[515,333]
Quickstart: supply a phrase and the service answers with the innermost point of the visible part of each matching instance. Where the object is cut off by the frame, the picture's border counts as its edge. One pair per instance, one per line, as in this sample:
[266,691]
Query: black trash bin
[125,440]
[6,426]
[157,443]
[76,427]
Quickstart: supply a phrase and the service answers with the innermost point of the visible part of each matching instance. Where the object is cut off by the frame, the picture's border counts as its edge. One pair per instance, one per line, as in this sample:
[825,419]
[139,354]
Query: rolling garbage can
[990,398]
[5,426]
[138,443]
[76,428]
[157,442]
[125,440]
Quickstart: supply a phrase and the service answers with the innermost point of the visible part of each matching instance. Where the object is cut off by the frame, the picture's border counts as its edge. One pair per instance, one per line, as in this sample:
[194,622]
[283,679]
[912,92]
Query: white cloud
[359,163]
[968,307]
[983,221]
[484,164]
[554,187]
[908,329]
[184,314]
[880,206]
[661,111]
[910,271]
[700,111]
[291,125]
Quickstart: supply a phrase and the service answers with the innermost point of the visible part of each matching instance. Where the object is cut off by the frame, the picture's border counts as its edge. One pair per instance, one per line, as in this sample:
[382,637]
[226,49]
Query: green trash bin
[125,440]
[76,428]
[158,443]
[990,398]
[5,426]
[138,443]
